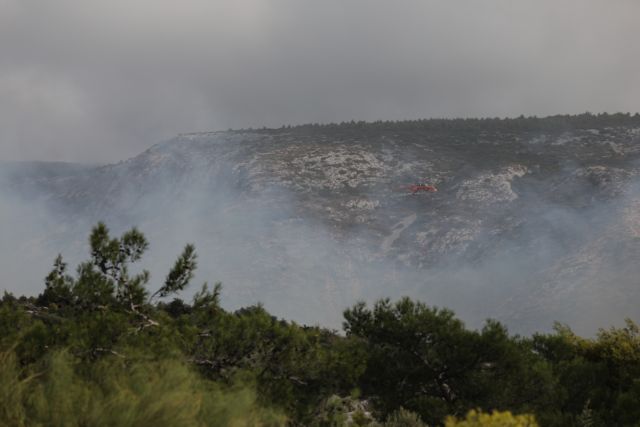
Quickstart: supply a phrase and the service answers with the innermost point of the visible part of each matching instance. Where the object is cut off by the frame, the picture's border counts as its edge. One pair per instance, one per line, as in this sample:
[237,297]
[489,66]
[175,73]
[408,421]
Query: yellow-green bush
[118,393]
[404,418]
[494,419]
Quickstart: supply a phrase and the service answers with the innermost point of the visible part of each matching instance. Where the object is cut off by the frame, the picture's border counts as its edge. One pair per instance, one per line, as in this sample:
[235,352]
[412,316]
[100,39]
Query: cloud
[100,81]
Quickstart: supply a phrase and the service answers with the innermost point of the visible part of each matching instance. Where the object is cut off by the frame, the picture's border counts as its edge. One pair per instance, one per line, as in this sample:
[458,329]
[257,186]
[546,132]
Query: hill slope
[535,219]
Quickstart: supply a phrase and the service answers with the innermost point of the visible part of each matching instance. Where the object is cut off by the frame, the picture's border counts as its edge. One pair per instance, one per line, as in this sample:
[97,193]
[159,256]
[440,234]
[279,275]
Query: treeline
[560,122]
[97,348]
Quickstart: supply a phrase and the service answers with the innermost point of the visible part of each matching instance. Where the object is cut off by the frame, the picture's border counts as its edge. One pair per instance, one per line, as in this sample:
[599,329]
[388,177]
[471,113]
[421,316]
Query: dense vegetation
[560,122]
[97,348]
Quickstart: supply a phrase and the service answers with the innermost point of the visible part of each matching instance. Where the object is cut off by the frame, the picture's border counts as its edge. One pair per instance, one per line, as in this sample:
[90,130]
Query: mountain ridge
[316,216]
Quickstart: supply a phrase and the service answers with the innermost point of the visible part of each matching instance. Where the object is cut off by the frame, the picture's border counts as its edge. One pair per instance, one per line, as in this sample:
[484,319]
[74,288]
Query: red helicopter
[416,188]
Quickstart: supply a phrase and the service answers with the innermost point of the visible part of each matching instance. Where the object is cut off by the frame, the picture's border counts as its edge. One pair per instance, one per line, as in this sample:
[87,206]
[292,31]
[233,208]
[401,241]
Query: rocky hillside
[535,220]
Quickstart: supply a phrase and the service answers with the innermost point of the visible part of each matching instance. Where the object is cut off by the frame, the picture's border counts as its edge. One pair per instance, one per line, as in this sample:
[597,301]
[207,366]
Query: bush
[114,392]
[495,419]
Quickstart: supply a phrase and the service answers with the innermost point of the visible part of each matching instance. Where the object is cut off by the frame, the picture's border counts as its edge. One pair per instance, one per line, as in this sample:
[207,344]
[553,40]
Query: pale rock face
[330,168]
[492,187]
[566,138]
[362,204]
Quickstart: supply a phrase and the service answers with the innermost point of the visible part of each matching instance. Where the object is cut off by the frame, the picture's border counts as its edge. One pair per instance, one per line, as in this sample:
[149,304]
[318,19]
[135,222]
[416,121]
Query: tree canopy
[104,346]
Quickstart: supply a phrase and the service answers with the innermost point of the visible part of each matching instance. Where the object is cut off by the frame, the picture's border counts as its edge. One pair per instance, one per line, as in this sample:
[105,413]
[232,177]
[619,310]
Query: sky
[99,81]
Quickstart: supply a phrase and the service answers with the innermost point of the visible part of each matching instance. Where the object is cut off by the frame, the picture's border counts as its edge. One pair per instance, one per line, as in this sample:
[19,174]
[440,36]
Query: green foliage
[598,379]
[111,258]
[557,123]
[181,273]
[295,366]
[404,418]
[59,392]
[103,283]
[425,360]
[495,419]
[58,284]
[93,349]
[585,418]
[343,411]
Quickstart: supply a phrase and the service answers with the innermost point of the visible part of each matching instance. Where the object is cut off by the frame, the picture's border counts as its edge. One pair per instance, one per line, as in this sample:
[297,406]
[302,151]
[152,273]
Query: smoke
[30,237]
[523,245]
[567,255]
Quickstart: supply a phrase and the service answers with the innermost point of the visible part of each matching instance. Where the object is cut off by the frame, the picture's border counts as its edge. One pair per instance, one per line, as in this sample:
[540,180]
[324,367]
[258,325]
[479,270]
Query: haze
[100,81]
